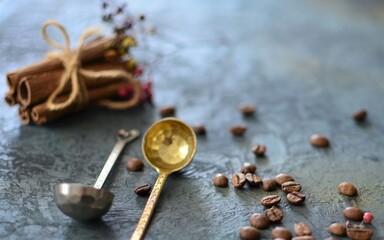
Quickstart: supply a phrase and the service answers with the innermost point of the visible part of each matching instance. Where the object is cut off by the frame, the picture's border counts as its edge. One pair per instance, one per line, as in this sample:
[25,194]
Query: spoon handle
[139,232]
[123,138]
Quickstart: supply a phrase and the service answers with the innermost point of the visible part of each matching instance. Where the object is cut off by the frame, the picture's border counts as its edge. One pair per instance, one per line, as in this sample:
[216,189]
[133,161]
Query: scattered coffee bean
[281,232]
[238,180]
[360,115]
[248,168]
[199,129]
[220,180]
[238,130]
[358,232]
[347,188]
[259,221]
[269,184]
[302,229]
[270,200]
[295,198]
[353,213]
[167,111]
[247,110]
[303,238]
[337,229]
[282,178]
[253,179]
[134,164]
[249,233]
[259,150]
[142,190]
[319,141]
[291,186]
[274,214]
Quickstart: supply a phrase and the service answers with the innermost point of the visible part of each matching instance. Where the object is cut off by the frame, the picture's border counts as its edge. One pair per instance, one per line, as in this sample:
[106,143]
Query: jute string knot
[73,73]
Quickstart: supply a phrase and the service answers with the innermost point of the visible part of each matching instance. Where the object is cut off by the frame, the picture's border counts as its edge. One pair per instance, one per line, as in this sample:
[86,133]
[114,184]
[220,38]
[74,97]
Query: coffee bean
[291,186]
[134,164]
[249,233]
[347,188]
[167,111]
[247,110]
[337,229]
[295,198]
[248,168]
[199,129]
[303,238]
[270,200]
[238,180]
[274,214]
[269,184]
[318,140]
[360,115]
[220,180]
[259,150]
[302,229]
[253,179]
[358,232]
[238,130]
[281,232]
[142,190]
[259,220]
[282,178]
[353,213]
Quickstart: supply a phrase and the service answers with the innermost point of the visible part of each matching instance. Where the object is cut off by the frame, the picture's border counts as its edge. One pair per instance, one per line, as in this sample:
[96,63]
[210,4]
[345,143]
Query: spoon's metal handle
[139,232]
[123,137]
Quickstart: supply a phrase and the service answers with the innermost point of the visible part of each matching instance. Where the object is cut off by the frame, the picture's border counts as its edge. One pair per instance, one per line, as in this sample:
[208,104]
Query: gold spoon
[168,146]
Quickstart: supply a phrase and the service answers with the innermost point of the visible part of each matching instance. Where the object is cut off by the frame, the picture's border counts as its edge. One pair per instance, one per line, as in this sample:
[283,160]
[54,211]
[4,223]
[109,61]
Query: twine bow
[73,73]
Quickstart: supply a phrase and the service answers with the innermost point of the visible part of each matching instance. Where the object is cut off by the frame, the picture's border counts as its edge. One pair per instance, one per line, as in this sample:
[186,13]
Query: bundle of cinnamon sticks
[31,86]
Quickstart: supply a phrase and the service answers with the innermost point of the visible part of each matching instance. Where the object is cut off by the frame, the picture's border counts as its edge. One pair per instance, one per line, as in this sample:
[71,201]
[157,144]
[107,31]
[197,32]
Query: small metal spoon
[168,146]
[86,203]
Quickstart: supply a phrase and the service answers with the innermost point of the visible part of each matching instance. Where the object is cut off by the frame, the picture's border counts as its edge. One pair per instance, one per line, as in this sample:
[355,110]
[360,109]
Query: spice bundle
[66,82]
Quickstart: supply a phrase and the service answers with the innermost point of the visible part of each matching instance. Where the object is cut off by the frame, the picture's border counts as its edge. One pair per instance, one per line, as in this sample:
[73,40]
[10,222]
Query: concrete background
[307,65]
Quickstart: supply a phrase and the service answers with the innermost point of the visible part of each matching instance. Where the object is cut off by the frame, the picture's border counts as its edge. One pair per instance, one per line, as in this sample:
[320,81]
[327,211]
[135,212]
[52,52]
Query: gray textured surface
[307,65]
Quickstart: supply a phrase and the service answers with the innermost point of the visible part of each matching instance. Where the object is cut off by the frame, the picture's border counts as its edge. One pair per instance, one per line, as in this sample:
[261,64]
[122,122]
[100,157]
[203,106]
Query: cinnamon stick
[10,99]
[40,114]
[36,88]
[92,52]
[24,115]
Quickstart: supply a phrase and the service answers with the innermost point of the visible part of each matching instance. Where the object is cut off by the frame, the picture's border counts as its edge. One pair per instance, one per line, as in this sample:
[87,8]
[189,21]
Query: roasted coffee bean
[259,150]
[318,140]
[337,229]
[303,238]
[199,129]
[220,180]
[360,115]
[281,232]
[347,188]
[353,213]
[238,130]
[253,179]
[291,186]
[295,198]
[269,184]
[259,221]
[167,111]
[282,178]
[249,233]
[238,180]
[274,214]
[270,200]
[302,229]
[142,190]
[134,164]
[247,110]
[358,232]
[248,168]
